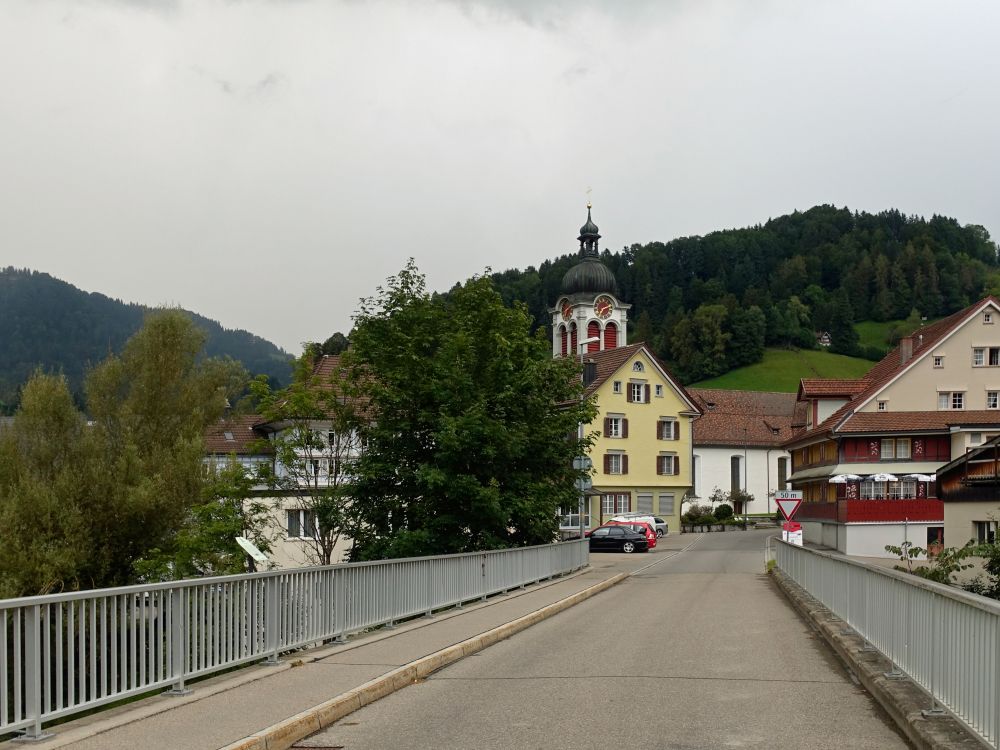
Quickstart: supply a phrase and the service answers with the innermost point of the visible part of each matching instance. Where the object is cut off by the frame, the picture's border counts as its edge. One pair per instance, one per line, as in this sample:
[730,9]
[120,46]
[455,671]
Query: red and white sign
[788,502]
[791,532]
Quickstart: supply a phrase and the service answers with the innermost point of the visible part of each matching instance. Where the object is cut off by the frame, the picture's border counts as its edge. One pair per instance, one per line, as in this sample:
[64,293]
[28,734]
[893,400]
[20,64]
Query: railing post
[178,640]
[429,612]
[271,586]
[32,674]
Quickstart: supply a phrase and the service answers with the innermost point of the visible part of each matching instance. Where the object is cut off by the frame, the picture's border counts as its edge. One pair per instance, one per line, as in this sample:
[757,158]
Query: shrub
[706,520]
[723,512]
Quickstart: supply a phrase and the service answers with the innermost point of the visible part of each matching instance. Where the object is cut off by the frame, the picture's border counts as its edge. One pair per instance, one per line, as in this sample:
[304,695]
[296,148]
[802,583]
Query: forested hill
[710,304]
[47,323]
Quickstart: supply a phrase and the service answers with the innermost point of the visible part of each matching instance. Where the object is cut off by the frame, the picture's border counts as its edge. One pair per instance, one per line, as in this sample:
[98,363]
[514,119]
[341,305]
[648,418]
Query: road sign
[251,549]
[788,502]
[791,532]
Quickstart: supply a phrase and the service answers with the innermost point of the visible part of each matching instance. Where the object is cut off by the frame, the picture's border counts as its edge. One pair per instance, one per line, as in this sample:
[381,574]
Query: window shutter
[624,464]
[676,430]
[659,465]
[607,427]
[659,430]
[628,508]
[646,399]
[607,463]
[628,392]
[624,428]
[677,465]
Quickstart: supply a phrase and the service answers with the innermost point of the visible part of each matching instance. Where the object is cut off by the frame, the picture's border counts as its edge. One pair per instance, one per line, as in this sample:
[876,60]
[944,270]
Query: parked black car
[617,539]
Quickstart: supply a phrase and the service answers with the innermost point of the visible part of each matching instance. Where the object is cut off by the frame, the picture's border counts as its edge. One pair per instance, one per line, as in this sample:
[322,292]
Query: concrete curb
[903,699]
[286,733]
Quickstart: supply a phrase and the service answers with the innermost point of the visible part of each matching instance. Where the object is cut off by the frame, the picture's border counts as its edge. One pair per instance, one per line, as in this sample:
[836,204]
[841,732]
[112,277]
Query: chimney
[589,372]
[905,349]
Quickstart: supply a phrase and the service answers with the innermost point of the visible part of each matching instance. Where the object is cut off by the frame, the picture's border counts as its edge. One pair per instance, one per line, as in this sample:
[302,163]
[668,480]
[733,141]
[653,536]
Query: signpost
[788,503]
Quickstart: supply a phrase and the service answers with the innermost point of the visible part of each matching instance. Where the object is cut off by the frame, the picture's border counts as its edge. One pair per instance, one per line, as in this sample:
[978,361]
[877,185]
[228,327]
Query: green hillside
[781,370]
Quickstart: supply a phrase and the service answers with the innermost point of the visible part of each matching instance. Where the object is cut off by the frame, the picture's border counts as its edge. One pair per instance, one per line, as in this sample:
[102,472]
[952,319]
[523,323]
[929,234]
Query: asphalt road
[698,651]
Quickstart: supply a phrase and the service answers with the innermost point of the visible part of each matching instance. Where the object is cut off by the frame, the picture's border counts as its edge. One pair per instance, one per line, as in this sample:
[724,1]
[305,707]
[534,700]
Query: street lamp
[583,460]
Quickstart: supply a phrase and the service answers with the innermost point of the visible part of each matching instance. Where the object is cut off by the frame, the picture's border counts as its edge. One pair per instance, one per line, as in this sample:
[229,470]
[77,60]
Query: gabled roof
[751,418]
[234,434]
[890,367]
[830,387]
[908,421]
[611,361]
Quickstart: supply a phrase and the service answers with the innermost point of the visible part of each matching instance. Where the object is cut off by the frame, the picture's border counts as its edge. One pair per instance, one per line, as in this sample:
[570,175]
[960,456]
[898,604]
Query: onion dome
[589,275]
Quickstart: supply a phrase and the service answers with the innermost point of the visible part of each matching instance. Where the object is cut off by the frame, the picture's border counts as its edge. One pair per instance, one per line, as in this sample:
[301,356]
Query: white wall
[870,539]
[712,467]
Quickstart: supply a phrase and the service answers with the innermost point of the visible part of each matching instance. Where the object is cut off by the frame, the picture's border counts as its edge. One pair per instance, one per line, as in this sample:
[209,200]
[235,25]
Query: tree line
[50,324]
[453,414]
[708,304]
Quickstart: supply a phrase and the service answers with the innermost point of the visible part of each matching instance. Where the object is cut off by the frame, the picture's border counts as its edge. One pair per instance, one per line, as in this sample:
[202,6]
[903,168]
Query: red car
[642,526]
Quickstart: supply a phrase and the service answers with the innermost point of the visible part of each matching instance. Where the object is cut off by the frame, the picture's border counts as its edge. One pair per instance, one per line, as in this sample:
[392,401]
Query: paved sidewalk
[226,709]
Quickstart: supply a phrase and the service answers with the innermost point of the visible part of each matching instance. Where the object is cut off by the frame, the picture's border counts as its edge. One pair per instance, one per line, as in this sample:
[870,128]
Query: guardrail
[67,653]
[945,639]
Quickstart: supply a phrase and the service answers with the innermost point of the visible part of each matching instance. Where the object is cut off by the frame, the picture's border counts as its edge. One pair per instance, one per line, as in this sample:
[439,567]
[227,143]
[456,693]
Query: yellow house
[642,452]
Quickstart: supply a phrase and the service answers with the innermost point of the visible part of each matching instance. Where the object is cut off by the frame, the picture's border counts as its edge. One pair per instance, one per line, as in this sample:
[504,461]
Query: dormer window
[229,436]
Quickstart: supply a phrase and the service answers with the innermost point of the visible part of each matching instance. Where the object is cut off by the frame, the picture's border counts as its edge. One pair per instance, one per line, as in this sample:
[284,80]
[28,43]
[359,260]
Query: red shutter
[610,336]
[607,427]
[624,428]
[607,463]
[565,340]
[624,464]
[593,332]
[647,394]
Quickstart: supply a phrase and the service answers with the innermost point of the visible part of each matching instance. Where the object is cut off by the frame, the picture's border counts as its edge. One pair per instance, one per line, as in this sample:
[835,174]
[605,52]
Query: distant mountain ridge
[48,323]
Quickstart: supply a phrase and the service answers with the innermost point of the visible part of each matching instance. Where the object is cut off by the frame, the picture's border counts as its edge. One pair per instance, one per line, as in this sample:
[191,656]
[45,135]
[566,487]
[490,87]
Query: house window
[615,502]
[982,355]
[888,449]
[782,473]
[615,463]
[939,361]
[637,393]
[873,490]
[637,367]
[616,387]
[975,438]
[978,357]
[666,505]
[905,489]
[951,400]
[616,427]
[985,531]
[667,465]
[668,429]
[659,391]
[988,318]
[301,524]
[883,406]
[734,473]
[992,399]
[903,448]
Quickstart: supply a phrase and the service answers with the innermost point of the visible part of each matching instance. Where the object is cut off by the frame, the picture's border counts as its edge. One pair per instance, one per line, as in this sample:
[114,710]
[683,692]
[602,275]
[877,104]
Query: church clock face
[603,306]
[567,310]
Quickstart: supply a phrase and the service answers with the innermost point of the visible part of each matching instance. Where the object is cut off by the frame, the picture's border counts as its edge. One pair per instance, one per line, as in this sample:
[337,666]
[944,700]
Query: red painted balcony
[870,511]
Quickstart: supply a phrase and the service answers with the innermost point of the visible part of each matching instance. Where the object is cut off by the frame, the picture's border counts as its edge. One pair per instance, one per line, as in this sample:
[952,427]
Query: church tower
[588,309]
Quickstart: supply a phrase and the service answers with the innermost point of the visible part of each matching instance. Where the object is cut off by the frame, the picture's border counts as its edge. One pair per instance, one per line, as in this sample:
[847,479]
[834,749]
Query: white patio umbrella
[843,478]
[921,477]
[883,477]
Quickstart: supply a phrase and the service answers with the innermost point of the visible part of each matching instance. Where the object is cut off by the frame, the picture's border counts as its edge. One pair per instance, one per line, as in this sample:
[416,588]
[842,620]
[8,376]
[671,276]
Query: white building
[737,445]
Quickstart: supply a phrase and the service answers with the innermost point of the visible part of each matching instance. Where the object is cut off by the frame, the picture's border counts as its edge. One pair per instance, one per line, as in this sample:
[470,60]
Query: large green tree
[105,496]
[472,424]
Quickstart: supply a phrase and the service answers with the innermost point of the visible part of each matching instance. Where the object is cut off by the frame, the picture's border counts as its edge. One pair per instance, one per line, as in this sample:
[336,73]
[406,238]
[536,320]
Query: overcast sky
[268,163]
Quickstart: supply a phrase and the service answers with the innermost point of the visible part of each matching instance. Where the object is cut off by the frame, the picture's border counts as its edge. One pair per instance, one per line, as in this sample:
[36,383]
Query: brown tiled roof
[906,421]
[233,434]
[819,387]
[610,361]
[752,418]
[888,368]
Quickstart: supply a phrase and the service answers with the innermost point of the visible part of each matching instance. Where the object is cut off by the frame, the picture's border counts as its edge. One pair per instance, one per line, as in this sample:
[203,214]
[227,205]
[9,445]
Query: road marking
[671,557]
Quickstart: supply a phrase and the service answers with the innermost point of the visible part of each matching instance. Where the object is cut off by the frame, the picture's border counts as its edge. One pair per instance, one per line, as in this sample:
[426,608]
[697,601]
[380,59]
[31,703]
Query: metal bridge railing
[945,639]
[66,653]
